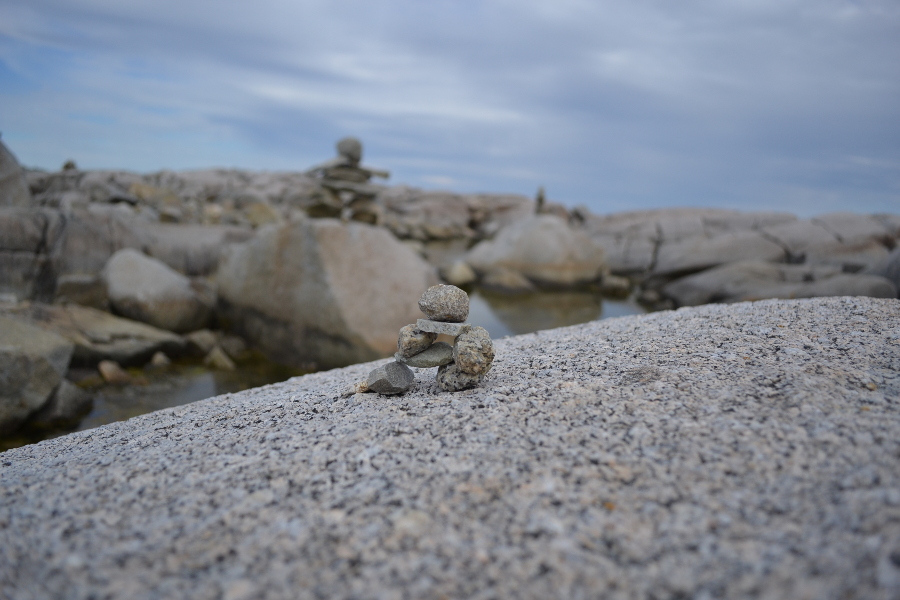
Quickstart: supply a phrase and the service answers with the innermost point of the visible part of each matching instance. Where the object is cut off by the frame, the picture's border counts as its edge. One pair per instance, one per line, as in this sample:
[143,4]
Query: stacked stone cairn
[461,366]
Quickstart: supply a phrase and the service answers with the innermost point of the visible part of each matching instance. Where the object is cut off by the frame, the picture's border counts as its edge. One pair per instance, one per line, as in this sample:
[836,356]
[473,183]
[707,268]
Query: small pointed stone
[413,340]
[436,355]
[392,378]
[445,303]
[217,359]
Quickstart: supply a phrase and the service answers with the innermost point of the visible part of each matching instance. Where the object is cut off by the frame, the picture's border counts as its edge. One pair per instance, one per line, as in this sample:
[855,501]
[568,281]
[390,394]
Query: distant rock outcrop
[13,185]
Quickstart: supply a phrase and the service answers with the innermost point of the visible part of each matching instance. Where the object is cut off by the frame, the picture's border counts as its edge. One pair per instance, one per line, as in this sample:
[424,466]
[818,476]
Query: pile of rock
[461,366]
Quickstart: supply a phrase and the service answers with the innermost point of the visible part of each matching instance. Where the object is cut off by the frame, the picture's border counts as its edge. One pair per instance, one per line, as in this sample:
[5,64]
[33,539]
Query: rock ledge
[720,451]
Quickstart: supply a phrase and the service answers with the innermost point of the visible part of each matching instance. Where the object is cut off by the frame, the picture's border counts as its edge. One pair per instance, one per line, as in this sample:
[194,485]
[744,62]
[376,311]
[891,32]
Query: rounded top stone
[445,303]
[350,148]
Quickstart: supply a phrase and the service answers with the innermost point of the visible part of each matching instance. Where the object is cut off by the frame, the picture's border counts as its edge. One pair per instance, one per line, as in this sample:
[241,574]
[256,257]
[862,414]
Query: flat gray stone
[451,329]
[413,340]
[473,351]
[722,451]
[392,378]
[445,303]
[451,379]
[436,355]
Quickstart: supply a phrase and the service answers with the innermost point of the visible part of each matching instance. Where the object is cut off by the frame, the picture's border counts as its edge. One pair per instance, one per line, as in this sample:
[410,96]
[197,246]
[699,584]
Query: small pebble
[413,340]
[445,303]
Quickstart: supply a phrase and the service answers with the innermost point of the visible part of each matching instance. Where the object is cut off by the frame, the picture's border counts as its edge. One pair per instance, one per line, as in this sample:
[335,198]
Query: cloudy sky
[752,104]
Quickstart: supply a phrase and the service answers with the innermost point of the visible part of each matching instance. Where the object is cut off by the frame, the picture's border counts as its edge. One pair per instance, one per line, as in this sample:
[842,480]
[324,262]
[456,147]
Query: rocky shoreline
[121,266]
[722,451]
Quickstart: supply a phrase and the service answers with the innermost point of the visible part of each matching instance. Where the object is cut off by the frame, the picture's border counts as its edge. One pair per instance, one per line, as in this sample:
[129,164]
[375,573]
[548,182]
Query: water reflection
[505,315]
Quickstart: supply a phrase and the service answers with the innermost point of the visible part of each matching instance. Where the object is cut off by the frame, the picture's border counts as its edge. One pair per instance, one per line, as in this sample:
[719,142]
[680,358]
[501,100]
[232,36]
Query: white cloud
[649,102]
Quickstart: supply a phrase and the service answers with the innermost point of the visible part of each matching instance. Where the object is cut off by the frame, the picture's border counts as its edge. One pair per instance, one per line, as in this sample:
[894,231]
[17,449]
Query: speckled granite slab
[750,450]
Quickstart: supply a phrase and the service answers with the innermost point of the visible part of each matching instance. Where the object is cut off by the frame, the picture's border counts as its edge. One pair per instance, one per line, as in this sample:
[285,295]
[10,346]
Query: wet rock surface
[719,451]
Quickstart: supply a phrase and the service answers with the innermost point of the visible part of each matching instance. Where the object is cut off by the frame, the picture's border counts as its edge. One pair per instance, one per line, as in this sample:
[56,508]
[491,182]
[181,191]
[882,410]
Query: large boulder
[754,280]
[147,290]
[27,237]
[631,239]
[190,249]
[890,267]
[697,253]
[33,362]
[13,185]
[321,292]
[98,335]
[93,234]
[543,248]
[862,245]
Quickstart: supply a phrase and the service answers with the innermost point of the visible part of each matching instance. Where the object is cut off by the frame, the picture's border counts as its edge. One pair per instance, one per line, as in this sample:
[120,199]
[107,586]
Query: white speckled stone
[413,340]
[473,351]
[723,451]
[445,303]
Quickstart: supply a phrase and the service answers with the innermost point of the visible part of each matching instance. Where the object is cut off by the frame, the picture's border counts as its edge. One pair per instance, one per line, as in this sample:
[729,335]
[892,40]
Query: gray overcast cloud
[789,105]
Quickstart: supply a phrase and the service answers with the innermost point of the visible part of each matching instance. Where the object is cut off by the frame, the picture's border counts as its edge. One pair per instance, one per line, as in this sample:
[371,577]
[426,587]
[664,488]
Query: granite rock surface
[723,451]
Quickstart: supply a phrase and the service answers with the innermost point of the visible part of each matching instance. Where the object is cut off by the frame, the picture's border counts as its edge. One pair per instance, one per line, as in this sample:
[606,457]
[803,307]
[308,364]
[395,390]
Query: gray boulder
[754,280]
[93,234]
[33,362]
[321,291]
[13,186]
[698,253]
[863,245]
[543,248]
[631,239]
[144,289]
[98,335]
[68,405]
[191,249]
[890,267]
[27,238]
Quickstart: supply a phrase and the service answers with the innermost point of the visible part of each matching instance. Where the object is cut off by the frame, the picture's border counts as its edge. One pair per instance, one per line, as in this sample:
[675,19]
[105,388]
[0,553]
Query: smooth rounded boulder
[319,292]
[543,248]
[147,290]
